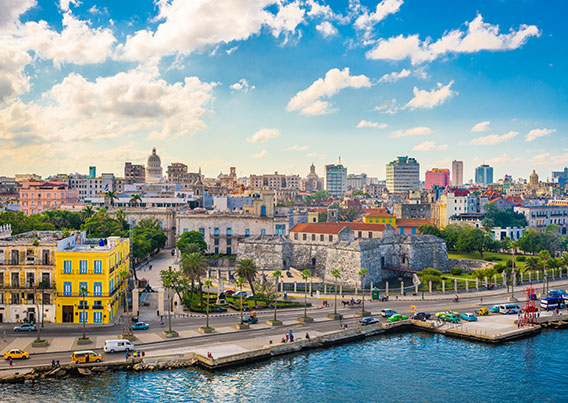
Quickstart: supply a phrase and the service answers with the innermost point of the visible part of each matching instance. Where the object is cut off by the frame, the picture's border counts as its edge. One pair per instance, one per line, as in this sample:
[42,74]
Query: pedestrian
[291,337]
[307,336]
[10,362]
[57,364]
[161,321]
[126,355]
[52,363]
[287,338]
[481,301]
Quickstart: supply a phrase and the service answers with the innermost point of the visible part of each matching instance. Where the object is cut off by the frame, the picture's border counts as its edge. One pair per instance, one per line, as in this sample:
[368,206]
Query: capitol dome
[154,168]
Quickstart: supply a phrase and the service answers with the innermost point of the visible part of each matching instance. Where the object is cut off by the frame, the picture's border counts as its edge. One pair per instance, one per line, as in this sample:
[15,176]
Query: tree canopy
[502,218]
[191,237]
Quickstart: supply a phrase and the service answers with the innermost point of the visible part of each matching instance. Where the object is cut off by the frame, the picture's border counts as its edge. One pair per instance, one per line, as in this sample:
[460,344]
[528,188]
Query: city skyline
[327,80]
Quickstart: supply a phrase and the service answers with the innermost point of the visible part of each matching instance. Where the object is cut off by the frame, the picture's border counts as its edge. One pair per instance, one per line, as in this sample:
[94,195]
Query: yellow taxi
[16,354]
[81,357]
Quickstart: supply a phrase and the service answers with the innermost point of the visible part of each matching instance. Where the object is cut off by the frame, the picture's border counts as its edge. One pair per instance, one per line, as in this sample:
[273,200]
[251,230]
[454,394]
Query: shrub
[456,271]
[488,259]
[521,258]
[499,268]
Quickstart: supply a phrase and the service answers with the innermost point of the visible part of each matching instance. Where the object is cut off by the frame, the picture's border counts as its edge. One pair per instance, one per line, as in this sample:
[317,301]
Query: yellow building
[94,265]
[380,217]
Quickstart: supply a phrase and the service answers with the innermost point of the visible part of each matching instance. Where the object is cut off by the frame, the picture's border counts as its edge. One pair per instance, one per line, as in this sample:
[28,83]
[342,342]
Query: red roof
[413,222]
[334,228]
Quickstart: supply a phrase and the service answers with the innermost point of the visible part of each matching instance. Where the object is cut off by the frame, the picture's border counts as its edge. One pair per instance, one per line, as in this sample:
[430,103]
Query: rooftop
[335,228]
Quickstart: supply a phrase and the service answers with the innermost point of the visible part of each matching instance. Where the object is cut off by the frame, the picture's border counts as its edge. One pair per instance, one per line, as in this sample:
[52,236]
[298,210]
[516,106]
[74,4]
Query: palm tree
[193,266]
[532,263]
[336,275]
[83,293]
[111,196]
[246,268]
[277,275]
[87,212]
[306,274]
[124,275]
[167,277]
[363,273]
[207,284]
[240,282]
[120,217]
[513,245]
[135,200]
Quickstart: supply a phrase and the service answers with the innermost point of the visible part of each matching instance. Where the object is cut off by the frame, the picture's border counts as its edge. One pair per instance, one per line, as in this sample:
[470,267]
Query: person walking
[11,362]
[126,355]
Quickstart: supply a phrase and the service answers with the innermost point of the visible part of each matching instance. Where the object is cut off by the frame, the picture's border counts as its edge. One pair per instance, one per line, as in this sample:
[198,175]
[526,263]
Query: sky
[274,85]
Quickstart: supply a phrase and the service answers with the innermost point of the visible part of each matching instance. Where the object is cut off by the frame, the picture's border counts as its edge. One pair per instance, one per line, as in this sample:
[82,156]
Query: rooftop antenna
[340,159]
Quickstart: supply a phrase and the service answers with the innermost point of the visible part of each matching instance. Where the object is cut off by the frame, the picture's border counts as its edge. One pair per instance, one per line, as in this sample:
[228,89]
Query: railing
[27,286]
[79,272]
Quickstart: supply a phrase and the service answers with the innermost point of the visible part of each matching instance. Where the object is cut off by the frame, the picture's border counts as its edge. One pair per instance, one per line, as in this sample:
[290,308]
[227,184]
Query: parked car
[509,309]
[397,317]
[112,346]
[229,292]
[387,313]
[16,354]
[483,312]
[26,327]
[250,319]
[421,316]
[140,326]
[368,321]
[494,309]
[441,315]
[452,318]
[238,294]
[86,356]
[468,317]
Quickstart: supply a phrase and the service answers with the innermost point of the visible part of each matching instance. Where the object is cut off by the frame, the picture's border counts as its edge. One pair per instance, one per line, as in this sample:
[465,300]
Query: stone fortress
[323,247]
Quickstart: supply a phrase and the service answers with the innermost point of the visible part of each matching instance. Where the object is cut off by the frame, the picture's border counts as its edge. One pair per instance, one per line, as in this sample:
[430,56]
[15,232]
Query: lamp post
[423,284]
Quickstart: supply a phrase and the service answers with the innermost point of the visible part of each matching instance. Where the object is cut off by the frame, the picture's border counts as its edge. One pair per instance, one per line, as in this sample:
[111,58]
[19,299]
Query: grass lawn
[497,257]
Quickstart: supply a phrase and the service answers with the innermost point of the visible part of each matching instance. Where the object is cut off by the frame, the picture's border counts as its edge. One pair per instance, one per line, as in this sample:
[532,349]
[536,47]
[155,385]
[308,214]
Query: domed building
[533,178]
[154,168]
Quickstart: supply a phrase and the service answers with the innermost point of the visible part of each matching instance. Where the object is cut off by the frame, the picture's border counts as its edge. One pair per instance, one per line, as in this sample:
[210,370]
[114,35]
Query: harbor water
[394,368]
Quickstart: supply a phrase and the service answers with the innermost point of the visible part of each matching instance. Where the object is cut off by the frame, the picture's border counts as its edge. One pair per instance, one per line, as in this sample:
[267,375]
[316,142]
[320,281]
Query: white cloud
[231,50]
[263,135]
[242,85]
[260,154]
[367,21]
[366,123]
[481,127]
[479,36]
[315,155]
[429,146]
[550,160]
[494,138]
[326,29]
[13,80]
[64,4]
[188,26]
[415,131]
[429,99]
[133,102]
[502,159]
[536,133]
[10,11]
[390,107]
[297,148]
[394,76]
[308,101]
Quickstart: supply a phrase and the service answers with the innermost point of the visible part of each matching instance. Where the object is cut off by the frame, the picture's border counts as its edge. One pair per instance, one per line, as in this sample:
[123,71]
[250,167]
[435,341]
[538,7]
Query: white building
[403,174]
[336,180]
[540,217]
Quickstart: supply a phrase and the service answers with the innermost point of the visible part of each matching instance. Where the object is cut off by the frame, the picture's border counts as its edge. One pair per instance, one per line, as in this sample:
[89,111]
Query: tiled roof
[413,222]
[334,228]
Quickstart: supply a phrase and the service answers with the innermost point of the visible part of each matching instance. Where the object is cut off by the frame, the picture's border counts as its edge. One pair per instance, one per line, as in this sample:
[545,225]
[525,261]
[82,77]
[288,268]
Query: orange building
[39,196]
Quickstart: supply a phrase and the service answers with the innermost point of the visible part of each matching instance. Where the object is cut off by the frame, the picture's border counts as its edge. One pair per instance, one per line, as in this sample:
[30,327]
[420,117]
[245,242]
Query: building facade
[274,181]
[336,180]
[134,173]
[37,197]
[403,174]
[457,173]
[90,285]
[540,217]
[437,177]
[484,175]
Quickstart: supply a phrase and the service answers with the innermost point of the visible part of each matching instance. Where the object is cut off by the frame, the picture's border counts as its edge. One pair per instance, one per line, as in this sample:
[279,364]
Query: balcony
[27,286]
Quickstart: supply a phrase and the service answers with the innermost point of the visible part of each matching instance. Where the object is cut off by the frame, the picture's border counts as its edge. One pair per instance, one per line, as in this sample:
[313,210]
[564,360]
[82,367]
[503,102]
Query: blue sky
[273,85]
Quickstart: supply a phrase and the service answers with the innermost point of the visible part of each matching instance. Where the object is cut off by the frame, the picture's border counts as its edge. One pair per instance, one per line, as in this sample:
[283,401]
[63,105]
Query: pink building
[439,177]
[39,196]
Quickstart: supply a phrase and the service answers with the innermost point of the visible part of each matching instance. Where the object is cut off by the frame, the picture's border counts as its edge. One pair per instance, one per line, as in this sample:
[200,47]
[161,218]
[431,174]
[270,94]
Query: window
[216,251]
[313,237]
[202,230]
[98,289]
[67,290]
[370,234]
[216,231]
[360,234]
[83,317]
[97,304]
[331,238]
[15,280]
[321,238]
[247,232]
[262,232]
[304,237]
[98,266]
[97,317]
[229,241]
[85,285]
[67,266]
[229,251]
[83,266]
[216,241]
[229,231]
[296,235]
[86,305]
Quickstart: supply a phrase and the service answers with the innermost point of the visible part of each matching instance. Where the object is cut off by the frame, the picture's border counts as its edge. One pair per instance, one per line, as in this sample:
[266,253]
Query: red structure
[530,309]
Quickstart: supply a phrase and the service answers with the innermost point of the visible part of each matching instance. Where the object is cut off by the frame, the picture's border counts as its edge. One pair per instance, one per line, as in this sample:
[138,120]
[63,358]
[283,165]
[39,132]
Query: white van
[118,345]
[509,309]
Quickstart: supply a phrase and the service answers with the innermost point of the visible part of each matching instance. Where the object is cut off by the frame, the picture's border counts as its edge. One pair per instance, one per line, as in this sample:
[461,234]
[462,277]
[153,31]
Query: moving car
[229,292]
[494,309]
[452,318]
[368,321]
[26,327]
[80,357]
[16,354]
[140,326]
[387,313]
[421,316]
[397,317]
[118,345]
[250,319]
[509,309]
[468,317]
[239,293]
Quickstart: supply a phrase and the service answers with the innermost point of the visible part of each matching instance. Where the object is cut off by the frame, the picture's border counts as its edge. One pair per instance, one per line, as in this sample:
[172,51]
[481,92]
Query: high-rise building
[484,175]
[154,168]
[92,172]
[457,173]
[403,174]
[437,177]
[134,173]
[356,182]
[336,179]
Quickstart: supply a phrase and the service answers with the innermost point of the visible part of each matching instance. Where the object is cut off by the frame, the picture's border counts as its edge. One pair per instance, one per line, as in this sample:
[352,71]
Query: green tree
[246,268]
[207,284]
[348,214]
[502,218]
[120,216]
[124,276]
[430,230]
[322,217]
[336,275]
[306,274]
[87,212]
[193,267]
[363,274]
[191,237]
[320,195]
[532,241]
[110,197]
[168,278]
[135,200]
[101,225]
